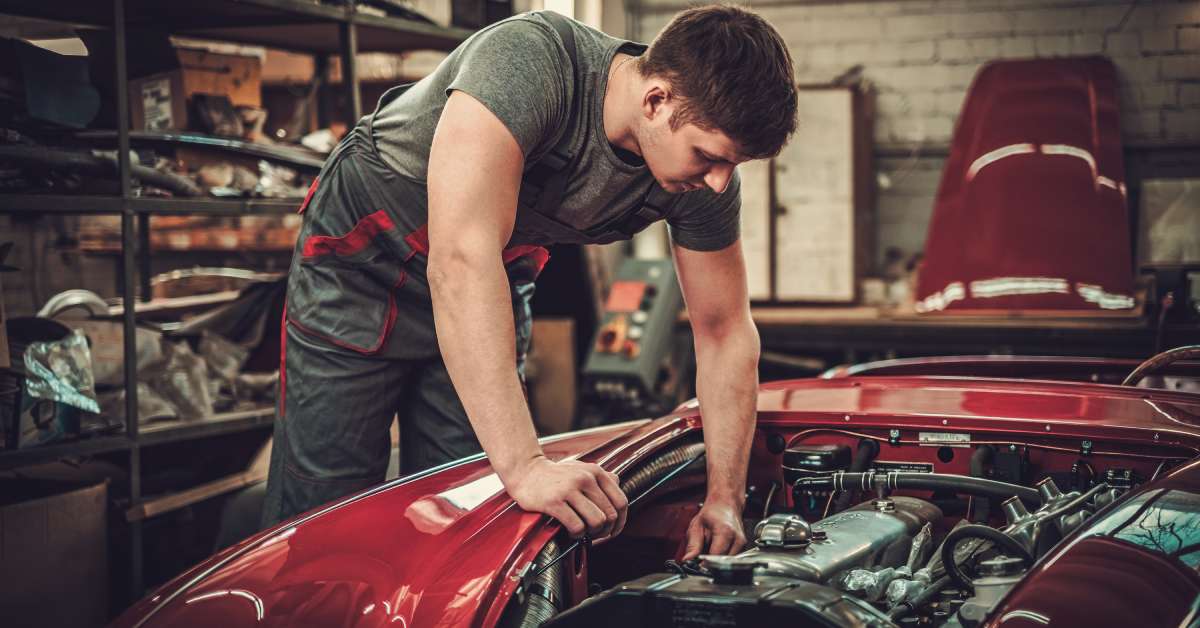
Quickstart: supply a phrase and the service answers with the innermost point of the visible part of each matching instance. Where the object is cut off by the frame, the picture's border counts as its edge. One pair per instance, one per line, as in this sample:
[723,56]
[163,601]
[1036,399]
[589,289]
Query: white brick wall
[922,54]
[927,51]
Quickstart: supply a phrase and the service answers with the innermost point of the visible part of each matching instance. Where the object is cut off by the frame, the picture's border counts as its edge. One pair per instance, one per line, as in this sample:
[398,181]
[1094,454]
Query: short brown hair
[733,72]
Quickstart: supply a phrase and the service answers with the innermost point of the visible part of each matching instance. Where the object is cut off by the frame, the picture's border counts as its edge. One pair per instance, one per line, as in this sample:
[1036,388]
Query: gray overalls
[358,337]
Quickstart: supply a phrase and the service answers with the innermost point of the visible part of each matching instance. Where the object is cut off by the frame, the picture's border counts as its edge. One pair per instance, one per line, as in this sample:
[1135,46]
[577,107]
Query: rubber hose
[541,605]
[542,602]
[980,458]
[975,531]
[866,453]
[641,479]
[920,481]
[95,165]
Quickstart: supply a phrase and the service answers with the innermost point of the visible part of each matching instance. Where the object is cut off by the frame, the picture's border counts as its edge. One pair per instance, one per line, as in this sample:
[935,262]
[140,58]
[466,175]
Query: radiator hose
[542,598]
[866,453]
[1002,541]
[921,481]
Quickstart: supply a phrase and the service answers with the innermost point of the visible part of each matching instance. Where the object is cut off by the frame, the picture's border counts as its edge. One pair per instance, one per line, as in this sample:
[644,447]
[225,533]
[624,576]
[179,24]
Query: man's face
[687,158]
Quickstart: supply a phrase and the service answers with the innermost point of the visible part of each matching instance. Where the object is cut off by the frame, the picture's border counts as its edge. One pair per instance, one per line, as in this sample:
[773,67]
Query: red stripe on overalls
[357,240]
[353,242]
[308,197]
[419,242]
[283,322]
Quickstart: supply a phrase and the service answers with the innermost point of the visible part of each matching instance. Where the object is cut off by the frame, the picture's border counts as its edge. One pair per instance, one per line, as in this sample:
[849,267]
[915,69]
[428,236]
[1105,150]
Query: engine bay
[873,527]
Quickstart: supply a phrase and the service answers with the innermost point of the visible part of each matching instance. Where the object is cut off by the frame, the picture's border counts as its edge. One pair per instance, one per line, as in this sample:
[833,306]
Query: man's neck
[621,105]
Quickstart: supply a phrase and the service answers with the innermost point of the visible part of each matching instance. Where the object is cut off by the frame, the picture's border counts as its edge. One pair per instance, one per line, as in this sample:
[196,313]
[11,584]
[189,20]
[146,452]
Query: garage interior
[154,156]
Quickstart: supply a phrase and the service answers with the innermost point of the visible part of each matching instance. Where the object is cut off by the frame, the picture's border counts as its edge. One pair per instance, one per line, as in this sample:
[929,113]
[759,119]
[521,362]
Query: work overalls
[358,338]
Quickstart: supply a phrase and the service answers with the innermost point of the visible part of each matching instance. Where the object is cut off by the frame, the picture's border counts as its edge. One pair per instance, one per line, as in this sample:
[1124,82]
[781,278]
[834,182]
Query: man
[409,289]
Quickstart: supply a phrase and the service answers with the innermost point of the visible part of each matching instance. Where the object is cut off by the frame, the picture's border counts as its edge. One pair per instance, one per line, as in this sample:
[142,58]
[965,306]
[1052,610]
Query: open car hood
[446,547]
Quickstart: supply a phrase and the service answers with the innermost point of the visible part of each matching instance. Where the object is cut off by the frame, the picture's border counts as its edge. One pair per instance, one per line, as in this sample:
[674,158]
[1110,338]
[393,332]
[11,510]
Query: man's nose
[718,177]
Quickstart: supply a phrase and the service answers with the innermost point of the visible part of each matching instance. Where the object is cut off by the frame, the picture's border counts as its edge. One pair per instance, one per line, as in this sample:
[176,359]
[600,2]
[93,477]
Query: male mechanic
[409,291]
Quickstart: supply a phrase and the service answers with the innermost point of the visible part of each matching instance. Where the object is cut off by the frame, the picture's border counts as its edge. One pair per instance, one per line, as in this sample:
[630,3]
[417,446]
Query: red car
[907,492]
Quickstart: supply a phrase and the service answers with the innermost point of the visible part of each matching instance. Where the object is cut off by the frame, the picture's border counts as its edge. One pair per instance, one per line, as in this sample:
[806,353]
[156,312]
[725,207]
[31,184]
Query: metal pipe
[143,231]
[348,31]
[543,592]
[128,295]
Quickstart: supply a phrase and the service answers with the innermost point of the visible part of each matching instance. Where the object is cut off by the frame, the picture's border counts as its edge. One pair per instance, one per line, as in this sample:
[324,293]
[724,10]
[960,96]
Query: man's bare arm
[727,352]
[475,167]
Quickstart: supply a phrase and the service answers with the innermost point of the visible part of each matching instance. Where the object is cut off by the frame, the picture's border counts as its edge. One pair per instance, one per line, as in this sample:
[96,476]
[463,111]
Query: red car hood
[986,405]
[425,550]
[444,547]
[1031,212]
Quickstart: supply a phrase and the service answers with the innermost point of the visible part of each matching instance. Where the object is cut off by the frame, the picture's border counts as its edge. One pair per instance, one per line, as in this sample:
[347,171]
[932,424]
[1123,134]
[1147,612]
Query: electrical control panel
[634,340]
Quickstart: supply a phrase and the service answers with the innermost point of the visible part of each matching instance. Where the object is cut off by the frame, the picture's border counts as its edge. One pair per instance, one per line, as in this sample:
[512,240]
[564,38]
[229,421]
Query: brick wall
[922,54]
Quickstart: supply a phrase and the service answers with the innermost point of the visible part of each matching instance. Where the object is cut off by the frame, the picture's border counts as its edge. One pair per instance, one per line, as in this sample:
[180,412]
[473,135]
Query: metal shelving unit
[295,25]
[153,434]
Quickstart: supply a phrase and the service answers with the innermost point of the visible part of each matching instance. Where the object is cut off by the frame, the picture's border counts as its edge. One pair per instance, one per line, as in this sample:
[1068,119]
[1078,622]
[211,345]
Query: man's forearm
[472,312]
[727,387]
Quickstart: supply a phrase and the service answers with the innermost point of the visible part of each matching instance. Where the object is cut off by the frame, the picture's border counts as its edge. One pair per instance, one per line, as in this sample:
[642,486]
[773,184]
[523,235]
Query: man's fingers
[609,483]
[695,540]
[600,499]
[567,517]
[610,499]
[739,543]
[591,514]
[722,541]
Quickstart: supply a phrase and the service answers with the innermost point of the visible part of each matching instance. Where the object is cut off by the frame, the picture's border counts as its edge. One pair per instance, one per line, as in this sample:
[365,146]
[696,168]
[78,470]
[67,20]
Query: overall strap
[545,183]
[654,208]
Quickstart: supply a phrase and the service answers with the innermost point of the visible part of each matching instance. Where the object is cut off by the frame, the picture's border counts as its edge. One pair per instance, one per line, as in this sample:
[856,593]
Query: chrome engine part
[998,575]
[873,534]
[788,578]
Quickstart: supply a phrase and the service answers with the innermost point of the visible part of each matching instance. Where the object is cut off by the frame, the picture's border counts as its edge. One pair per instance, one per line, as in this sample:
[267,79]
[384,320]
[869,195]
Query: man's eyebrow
[717,156]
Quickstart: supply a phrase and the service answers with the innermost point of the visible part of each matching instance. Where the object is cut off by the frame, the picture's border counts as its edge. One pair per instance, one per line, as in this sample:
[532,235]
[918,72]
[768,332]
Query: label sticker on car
[946,439]
[908,467]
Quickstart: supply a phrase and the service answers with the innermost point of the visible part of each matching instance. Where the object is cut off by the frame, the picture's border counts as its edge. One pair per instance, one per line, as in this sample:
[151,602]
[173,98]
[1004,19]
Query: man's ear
[657,100]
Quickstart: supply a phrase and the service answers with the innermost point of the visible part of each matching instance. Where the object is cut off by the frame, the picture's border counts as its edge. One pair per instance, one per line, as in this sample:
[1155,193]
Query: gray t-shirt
[520,71]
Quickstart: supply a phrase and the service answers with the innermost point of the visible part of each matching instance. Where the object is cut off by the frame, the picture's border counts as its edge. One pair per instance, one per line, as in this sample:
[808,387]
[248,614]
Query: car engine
[890,560]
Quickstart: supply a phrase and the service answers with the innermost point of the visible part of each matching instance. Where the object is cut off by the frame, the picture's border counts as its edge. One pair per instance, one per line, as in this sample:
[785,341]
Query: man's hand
[583,497]
[717,528]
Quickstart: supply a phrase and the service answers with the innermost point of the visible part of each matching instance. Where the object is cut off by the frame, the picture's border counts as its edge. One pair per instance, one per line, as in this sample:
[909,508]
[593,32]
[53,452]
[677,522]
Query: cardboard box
[551,375]
[53,553]
[158,102]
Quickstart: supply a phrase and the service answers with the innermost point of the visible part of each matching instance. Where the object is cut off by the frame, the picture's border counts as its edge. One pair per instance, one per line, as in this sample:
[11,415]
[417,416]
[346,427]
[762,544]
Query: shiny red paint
[445,548]
[1045,408]
[1031,212]
[1106,370]
[437,549]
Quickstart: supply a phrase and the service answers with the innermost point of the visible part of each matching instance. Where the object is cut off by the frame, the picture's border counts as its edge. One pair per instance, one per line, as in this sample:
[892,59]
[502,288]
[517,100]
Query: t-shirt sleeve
[706,221]
[520,72]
